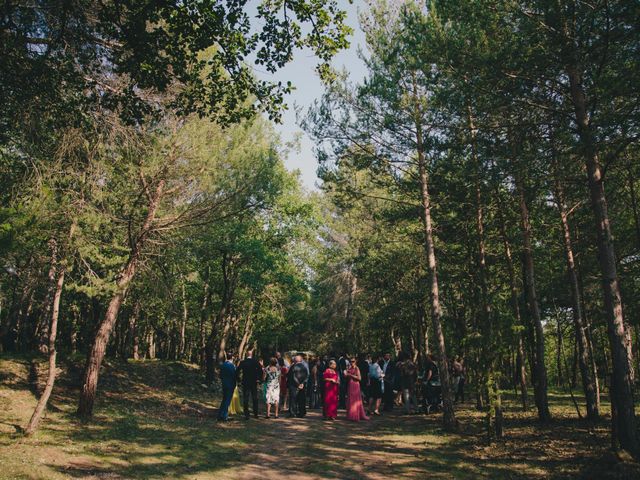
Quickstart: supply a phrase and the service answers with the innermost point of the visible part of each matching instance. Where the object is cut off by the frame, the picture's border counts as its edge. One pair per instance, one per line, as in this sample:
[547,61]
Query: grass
[155,420]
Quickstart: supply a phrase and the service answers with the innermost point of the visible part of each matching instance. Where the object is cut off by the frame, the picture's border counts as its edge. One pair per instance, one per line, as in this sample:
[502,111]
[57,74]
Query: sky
[301,72]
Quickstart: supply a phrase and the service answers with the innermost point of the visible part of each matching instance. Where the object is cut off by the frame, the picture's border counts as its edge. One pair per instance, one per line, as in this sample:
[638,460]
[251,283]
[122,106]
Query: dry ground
[156,420]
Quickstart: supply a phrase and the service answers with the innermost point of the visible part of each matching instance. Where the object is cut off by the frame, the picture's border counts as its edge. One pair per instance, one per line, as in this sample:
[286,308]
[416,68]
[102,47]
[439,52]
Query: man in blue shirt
[228,378]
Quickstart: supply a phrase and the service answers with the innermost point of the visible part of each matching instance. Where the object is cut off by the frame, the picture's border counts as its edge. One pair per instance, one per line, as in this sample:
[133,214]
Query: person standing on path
[355,408]
[296,380]
[343,363]
[228,379]
[458,375]
[408,377]
[251,373]
[389,369]
[376,377]
[331,391]
[272,382]
[284,390]
[363,366]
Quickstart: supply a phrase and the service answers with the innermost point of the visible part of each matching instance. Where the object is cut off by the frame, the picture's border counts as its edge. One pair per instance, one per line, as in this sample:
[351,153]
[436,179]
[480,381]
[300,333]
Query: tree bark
[540,377]
[515,305]
[577,312]
[624,425]
[449,418]
[183,324]
[53,332]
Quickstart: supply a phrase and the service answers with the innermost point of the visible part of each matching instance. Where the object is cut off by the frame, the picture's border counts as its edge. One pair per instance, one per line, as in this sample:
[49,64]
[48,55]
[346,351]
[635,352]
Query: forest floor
[156,420]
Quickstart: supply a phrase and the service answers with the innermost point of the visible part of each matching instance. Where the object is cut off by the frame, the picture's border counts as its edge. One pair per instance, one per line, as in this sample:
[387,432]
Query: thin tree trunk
[624,425]
[133,330]
[351,299]
[515,305]
[53,331]
[183,324]
[449,418]
[204,315]
[559,380]
[578,314]
[59,271]
[493,389]
[540,378]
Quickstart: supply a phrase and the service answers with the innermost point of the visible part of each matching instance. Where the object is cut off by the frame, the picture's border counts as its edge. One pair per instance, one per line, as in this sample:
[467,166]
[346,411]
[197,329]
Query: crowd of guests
[363,386]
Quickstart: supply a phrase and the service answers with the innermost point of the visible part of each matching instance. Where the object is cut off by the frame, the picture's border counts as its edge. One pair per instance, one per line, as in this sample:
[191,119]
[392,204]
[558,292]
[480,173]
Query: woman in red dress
[355,408]
[331,386]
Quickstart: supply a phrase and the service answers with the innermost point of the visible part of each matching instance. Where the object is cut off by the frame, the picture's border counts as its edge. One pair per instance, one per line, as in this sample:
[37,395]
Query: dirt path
[311,448]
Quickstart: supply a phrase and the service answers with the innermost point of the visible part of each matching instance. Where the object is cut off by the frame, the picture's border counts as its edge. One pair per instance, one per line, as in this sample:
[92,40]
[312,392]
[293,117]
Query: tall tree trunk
[59,272]
[97,352]
[133,330]
[493,389]
[559,340]
[204,316]
[351,299]
[624,425]
[515,305]
[246,335]
[540,378]
[183,324]
[577,312]
[449,417]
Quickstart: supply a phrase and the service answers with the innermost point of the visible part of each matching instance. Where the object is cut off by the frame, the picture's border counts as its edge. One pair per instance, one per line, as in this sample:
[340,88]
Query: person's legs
[293,401]
[246,391]
[254,397]
[276,409]
[461,389]
[223,413]
[387,396]
[302,402]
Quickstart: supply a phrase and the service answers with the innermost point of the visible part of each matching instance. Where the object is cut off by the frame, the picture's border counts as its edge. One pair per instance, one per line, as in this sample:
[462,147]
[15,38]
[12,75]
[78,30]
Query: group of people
[364,386]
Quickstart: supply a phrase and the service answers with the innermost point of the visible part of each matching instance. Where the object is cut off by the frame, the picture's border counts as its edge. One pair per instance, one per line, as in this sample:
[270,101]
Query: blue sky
[301,72]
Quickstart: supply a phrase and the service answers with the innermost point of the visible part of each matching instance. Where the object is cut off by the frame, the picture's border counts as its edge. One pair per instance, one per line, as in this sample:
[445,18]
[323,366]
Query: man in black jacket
[297,380]
[251,373]
[388,367]
[343,363]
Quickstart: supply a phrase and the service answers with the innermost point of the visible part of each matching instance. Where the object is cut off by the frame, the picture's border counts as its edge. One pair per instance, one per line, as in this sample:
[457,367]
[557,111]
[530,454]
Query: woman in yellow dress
[236,407]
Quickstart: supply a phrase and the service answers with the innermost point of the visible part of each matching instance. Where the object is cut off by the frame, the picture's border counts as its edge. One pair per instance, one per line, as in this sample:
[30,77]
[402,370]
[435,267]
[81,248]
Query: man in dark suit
[228,379]
[297,381]
[251,373]
[389,369]
[343,362]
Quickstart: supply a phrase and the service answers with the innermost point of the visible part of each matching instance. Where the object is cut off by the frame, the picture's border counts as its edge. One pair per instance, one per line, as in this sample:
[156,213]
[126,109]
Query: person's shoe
[376,413]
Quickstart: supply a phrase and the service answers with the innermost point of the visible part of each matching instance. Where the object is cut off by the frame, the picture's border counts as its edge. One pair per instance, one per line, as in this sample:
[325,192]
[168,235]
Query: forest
[478,196]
